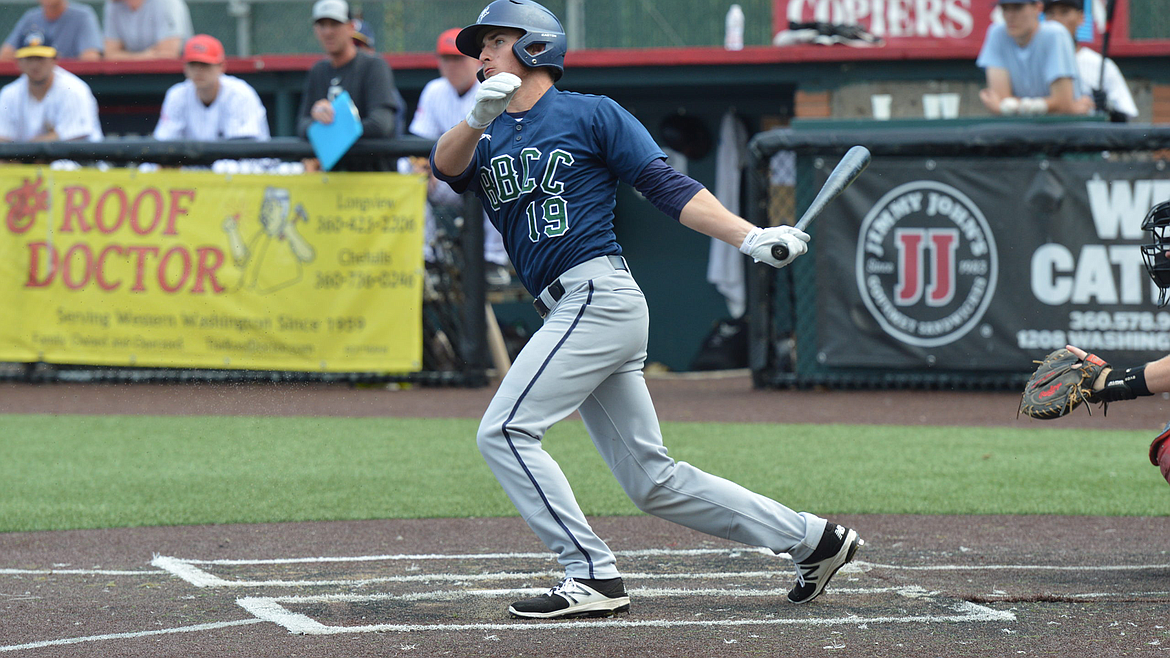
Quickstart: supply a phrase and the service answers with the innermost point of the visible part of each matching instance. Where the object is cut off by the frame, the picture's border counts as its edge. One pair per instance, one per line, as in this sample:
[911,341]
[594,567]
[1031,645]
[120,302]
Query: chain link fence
[284,26]
[1148,19]
[250,27]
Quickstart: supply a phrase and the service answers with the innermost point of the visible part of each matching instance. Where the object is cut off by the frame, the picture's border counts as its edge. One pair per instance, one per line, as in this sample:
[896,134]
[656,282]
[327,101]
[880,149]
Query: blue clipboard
[332,141]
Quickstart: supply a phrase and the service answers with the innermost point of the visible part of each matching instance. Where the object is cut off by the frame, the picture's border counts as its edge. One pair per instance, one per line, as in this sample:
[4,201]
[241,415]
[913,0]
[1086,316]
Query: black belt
[555,290]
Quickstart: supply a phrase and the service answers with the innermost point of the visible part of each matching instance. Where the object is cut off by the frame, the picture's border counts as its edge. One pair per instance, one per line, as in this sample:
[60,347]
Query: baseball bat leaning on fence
[842,176]
[1100,97]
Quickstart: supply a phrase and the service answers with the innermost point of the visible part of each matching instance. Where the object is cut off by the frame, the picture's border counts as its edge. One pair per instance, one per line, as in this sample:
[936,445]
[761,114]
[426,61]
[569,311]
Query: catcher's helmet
[1157,222]
[540,26]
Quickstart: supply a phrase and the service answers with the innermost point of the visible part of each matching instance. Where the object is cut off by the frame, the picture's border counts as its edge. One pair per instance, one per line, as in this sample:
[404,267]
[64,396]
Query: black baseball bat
[842,176]
[1099,99]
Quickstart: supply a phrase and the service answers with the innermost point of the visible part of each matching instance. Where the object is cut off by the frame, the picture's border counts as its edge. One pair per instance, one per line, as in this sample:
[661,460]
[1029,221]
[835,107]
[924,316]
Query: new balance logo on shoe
[837,547]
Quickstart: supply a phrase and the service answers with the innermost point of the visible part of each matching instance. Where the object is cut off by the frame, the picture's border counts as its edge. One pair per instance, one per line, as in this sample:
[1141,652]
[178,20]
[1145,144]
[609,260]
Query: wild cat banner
[194,269]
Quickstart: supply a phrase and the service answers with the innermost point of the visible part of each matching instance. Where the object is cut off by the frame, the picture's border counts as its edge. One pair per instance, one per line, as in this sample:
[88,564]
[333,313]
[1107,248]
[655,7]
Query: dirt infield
[923,586]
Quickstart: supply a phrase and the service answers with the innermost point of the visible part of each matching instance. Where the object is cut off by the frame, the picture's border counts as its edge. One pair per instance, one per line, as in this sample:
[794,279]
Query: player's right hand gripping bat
[842,176]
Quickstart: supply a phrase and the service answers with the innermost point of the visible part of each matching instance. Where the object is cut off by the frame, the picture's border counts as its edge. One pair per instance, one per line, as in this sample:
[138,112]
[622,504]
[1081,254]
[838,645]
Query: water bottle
[733,35]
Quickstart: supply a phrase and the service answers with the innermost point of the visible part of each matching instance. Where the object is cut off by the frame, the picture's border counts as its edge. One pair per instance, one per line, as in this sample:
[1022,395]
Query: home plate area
[668,588]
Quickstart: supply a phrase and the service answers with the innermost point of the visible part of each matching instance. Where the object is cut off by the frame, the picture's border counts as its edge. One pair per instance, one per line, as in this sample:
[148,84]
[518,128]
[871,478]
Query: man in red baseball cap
[444,102]
[210,105]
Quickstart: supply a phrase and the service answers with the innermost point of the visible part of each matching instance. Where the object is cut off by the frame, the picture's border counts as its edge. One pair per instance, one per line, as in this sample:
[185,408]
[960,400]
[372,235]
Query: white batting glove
[492,99]
[759,241]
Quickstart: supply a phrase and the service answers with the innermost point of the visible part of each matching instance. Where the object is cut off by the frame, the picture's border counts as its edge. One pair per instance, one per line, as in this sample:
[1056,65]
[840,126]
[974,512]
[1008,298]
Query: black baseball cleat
[576,597]
[837,547]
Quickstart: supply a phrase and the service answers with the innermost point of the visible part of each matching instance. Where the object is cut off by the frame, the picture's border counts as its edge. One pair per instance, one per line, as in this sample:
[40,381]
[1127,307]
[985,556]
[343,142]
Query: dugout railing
[455,348]
[814,323]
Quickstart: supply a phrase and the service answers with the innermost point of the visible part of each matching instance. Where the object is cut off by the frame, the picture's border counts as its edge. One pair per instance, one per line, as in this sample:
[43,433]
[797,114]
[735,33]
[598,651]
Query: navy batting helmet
[540,26]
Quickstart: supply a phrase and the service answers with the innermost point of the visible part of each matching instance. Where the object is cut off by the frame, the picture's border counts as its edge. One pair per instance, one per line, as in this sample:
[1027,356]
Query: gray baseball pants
[588,356]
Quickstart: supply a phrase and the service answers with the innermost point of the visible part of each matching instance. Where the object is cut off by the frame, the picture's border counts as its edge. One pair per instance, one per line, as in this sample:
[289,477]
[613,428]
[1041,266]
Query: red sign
[910,23]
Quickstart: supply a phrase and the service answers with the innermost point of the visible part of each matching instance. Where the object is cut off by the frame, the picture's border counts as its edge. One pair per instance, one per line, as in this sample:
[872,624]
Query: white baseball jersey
[236,113]
[1116,91]
[68,108]
[439,108]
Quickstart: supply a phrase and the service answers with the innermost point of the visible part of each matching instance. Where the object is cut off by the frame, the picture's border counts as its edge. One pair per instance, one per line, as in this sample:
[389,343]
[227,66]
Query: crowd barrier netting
[136,260]
[961,255]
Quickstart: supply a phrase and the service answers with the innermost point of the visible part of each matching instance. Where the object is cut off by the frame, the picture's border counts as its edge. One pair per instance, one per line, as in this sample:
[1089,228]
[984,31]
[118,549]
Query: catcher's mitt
[1060,384]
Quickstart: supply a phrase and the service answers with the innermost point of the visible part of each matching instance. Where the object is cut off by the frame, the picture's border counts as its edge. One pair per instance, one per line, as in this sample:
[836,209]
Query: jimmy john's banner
[987,264]
[188,269]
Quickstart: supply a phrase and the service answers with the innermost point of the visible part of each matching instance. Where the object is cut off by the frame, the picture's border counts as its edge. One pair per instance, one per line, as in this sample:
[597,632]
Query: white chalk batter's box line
[273,609]
[191,570]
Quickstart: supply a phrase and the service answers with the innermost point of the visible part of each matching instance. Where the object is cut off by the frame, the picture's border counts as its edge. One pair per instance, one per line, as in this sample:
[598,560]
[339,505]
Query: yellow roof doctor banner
[191,269]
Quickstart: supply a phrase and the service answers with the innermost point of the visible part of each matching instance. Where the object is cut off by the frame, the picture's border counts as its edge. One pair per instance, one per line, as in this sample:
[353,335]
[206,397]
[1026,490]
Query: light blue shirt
[154,21]
[1048,57]
[74,32]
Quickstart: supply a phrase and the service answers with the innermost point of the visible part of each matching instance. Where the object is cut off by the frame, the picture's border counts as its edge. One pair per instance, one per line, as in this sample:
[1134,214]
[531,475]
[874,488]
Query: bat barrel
[847,170]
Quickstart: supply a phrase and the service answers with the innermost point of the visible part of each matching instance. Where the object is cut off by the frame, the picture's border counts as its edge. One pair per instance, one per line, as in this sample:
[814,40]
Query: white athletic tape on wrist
[750,239]
[1033,106]
[475,124]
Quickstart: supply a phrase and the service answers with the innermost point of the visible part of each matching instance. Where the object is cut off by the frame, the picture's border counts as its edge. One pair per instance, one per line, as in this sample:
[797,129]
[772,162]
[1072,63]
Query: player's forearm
[169,48]
[381,122]
[115,51]
[455,148]
[705,214]
[1158,375]
[165,49]
[1060,97]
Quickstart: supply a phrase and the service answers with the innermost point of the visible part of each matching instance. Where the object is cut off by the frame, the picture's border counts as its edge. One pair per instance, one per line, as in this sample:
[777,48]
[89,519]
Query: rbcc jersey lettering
[548,180]
[503,182]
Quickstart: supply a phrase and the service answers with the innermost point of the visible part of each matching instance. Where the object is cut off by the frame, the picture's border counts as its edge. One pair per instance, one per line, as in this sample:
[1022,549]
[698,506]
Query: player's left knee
[655,492]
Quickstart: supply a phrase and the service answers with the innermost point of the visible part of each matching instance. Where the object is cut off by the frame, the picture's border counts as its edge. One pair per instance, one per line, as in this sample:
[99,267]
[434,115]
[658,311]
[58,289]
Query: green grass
[63,472]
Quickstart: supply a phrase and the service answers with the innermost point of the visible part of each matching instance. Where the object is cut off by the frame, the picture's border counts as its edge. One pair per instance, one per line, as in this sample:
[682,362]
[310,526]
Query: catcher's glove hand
[1061,383]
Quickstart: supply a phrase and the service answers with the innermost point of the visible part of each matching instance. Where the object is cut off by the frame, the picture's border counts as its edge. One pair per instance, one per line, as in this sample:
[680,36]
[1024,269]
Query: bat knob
[779,251]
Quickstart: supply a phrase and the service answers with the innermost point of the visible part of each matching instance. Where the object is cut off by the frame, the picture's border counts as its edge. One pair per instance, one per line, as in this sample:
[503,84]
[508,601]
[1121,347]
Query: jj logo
[915,246]
[926,263]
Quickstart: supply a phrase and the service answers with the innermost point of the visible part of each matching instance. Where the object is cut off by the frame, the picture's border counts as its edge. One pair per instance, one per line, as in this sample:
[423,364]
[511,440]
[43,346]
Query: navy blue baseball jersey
[548,180]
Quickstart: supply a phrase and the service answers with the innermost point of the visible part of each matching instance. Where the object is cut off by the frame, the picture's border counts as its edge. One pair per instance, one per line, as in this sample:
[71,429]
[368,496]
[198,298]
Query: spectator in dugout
[366,77]
[72,29]
[363,38]
[46,103]
[1030,65]
[210,105]
[146,29]
[1106,86]
[444,102]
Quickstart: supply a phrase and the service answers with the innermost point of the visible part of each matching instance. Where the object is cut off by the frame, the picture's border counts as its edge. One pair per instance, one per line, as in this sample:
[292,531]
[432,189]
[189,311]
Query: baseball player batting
[546,163]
